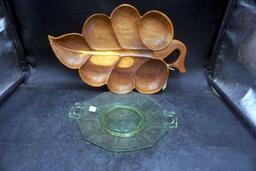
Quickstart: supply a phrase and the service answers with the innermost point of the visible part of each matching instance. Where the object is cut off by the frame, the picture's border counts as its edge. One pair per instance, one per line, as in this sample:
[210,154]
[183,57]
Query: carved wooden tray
[123,51]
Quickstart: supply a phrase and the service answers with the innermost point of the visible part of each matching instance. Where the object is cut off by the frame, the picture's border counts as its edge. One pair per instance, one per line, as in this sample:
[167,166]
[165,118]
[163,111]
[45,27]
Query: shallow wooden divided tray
[123,51]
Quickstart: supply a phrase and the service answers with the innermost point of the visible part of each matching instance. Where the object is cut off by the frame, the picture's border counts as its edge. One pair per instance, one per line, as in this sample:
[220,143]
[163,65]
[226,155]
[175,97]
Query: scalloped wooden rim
[141,16]
[51,38]
[94,84]
[100,14]
[169,21]
[157,90]
[124,5]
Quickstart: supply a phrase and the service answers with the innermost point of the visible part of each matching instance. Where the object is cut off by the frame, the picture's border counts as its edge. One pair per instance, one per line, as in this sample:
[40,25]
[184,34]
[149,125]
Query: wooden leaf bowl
[123,51]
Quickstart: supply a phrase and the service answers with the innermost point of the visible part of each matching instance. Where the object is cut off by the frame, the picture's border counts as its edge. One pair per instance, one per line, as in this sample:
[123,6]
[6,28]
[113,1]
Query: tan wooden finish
[123,51]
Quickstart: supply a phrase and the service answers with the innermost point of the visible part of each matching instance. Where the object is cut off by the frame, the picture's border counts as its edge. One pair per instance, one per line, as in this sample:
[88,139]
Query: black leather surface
[36,134]
[235,66]
[10,73]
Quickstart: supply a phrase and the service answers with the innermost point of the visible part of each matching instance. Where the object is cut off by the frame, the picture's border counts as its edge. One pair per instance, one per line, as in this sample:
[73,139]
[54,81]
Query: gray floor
[36,134]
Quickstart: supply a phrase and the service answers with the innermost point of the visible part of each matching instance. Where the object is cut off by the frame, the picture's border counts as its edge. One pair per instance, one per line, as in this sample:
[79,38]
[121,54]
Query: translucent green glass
[122,122]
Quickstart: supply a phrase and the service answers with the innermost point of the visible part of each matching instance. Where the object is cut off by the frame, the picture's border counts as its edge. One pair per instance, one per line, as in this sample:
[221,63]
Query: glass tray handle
[75,111]
[171,119]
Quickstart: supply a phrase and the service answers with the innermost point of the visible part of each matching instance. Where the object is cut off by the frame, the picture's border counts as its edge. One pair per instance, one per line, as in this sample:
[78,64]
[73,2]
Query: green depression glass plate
[122,122]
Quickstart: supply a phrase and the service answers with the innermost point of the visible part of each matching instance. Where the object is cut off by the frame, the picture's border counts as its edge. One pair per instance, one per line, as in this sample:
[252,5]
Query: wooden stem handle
[179,63]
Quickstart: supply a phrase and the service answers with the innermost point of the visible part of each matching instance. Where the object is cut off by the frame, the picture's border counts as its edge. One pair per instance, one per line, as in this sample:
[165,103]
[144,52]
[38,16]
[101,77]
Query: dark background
[35,132]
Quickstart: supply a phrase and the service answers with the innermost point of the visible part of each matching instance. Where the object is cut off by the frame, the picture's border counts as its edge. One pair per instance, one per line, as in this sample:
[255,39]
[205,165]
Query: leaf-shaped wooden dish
[124,51]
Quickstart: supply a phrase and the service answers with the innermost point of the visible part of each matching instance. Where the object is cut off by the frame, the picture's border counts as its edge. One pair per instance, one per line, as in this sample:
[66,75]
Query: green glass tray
[122,122]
